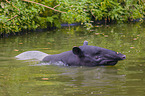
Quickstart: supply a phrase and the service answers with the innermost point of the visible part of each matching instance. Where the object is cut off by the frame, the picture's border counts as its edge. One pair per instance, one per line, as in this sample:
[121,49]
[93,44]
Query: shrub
[18,15]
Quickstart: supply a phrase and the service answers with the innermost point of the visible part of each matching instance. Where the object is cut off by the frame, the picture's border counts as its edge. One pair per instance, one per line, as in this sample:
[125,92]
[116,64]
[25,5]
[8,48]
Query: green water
[24,78]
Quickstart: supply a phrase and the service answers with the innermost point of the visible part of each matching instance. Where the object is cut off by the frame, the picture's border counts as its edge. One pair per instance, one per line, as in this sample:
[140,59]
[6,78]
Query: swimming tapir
[84,56]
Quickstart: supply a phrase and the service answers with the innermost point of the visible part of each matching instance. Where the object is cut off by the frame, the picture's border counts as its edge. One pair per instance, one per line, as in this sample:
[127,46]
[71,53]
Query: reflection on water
[24,78]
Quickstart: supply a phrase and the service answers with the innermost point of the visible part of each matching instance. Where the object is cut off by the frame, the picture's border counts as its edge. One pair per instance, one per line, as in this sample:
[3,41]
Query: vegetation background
[22,15]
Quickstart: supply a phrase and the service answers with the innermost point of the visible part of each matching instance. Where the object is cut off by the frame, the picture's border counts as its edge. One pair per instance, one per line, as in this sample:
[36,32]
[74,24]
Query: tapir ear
[77,51]
[85,42]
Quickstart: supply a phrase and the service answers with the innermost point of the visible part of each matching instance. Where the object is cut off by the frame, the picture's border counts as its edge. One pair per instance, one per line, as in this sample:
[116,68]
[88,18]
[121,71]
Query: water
[26,78]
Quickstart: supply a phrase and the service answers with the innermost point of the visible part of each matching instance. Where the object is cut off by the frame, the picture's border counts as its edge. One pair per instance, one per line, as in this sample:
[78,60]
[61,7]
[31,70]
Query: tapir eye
[97,53]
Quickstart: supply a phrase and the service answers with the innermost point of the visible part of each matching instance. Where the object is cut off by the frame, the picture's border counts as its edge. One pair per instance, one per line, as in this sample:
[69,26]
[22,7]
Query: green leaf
[50,19]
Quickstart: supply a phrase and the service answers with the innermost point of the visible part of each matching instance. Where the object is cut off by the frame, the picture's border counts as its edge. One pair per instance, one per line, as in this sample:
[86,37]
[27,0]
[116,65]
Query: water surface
[24,78]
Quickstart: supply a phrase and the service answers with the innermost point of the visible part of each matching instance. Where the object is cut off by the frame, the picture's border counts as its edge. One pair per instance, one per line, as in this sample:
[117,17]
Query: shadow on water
[22,78]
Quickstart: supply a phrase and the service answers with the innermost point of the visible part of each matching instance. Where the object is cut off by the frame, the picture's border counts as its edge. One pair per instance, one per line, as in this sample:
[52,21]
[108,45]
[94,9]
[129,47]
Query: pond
[26,78]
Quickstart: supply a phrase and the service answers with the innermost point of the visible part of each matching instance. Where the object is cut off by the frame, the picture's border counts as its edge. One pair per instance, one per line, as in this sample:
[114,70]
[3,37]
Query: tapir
[85,55]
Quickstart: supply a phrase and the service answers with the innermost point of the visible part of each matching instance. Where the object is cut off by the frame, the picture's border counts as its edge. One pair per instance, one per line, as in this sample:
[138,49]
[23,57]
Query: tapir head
[94,56]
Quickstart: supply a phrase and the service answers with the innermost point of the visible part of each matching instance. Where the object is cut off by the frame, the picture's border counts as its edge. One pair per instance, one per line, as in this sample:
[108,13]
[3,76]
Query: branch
[13,5]
[12,18]
[92,13]
[56,6]
[43,5]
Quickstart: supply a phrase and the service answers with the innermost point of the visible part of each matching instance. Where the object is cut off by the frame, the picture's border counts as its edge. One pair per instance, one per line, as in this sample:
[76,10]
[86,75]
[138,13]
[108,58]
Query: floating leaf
[45,79]
[105,35]
[20,43]
[16,50]
[132,47]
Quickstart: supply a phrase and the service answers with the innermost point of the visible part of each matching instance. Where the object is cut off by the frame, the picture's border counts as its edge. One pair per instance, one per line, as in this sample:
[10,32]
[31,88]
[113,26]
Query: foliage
[18,15]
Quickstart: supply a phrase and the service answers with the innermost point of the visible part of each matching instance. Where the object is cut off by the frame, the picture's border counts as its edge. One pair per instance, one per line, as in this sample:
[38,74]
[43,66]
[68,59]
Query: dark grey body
[86,56]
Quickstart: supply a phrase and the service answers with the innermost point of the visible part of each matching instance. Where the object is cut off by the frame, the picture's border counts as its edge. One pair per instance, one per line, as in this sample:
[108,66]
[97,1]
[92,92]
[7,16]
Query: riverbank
[98,23]
[20,16]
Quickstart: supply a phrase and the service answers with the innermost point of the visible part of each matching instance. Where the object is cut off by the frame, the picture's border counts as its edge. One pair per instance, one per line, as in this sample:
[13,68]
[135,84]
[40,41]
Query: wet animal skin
[86,56]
